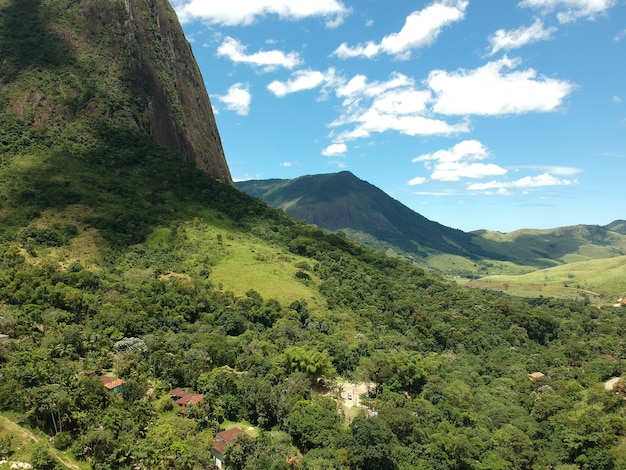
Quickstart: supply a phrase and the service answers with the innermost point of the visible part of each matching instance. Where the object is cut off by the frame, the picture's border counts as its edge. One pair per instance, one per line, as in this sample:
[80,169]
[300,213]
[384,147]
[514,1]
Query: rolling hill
[341,201]
[124,253]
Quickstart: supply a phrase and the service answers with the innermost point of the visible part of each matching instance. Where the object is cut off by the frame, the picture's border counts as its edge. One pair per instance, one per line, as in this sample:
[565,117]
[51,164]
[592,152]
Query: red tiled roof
[178,392]
[110,382]
[220,446]
[184,398]
[230,434]
[190,399]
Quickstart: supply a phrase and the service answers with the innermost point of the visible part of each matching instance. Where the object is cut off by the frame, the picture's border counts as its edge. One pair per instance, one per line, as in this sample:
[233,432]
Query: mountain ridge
[342,201]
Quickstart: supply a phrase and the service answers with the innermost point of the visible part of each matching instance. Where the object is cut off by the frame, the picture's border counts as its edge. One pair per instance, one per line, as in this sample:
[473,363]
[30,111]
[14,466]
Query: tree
[313,363]
[313,424]
[41,458]
[371,444]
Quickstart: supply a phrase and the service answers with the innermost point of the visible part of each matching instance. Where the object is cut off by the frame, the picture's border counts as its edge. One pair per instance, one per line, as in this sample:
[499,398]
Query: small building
[536,376]
[183,398]
[112,384]
[223,439]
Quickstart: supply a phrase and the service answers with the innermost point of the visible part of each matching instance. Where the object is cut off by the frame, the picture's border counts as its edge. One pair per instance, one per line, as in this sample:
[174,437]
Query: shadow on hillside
[27,40]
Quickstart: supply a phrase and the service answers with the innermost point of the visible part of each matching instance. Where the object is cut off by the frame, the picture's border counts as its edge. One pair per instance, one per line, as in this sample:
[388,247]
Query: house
[112,384]
[223,439]
[183,398]
[536,376]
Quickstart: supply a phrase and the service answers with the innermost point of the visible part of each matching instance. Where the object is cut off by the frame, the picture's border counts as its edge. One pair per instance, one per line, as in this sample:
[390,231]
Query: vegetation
[119,259]
[341,201]
[596,281]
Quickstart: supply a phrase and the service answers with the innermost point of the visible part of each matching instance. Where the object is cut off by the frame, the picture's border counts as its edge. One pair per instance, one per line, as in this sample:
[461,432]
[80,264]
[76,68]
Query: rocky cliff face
[111,63]
[180,117]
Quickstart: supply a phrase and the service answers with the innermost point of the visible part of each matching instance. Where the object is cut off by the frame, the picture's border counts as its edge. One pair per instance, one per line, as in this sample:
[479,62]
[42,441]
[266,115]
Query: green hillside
[601,281]
[125,263]
[341,201]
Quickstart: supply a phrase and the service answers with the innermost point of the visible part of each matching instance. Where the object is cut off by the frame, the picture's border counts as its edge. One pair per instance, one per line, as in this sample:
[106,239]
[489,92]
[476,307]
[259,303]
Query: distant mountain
[564,244]
[341,201]
[618,226]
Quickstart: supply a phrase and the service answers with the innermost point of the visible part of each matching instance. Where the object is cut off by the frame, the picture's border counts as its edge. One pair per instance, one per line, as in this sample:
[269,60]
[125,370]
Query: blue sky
[478,114]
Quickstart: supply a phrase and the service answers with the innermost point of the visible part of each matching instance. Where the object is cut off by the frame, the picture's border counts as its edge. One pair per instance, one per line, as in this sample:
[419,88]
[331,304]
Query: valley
[149,308]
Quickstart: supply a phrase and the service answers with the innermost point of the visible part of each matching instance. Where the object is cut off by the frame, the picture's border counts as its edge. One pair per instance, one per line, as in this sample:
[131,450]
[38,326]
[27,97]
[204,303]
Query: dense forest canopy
[113,274]
[118,260]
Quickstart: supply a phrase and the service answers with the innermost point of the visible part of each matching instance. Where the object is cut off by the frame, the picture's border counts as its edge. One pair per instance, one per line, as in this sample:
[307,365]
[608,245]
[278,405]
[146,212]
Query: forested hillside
[110,268]
[127,274]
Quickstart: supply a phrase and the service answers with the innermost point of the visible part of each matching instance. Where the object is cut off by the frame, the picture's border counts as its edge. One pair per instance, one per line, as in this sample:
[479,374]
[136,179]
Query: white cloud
[420,29]
[620,36]
[545,179]
[237,99]
[373,121]
[417,180]
[459,162]
[358,86]
[392,105]
[465,150]
[570,10]
[488,90]
[516,38]
[286,164]
[553,169]
[243,13]
[335,150]
[301,80]
[269,60]
[616,99]
[454,171]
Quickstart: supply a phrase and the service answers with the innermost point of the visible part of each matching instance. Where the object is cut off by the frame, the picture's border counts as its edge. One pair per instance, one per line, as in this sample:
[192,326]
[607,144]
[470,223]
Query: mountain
[75,73]
[121,258]
[341,201]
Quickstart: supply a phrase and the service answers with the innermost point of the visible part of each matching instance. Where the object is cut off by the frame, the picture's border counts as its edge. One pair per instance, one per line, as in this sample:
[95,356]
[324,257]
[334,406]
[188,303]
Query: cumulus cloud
[301,80]
[491,90]
[460,162]
[392,105]
[237,99]
[243,13]
[515,38]
[420,29]
[269,60]
[570,10]
[335,150]
[544,179]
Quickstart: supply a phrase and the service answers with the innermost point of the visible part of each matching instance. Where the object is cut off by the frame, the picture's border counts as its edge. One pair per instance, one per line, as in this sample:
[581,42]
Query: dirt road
[25,434]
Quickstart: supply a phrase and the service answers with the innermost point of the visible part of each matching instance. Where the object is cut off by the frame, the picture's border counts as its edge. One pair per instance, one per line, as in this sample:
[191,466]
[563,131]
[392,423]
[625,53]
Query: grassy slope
[602,279]
[24,441]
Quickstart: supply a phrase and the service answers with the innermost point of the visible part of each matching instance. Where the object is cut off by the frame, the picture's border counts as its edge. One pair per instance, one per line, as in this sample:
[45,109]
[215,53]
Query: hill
[120,259]
[343,202]
[599,281]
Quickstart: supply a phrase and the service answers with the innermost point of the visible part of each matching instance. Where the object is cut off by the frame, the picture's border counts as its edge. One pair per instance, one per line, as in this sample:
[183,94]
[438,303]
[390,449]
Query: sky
[477,114]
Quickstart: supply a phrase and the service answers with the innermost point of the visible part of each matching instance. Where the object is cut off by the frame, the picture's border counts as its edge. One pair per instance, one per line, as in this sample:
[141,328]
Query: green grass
[603,280]
[243,425]
[24,441]
[271,271]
